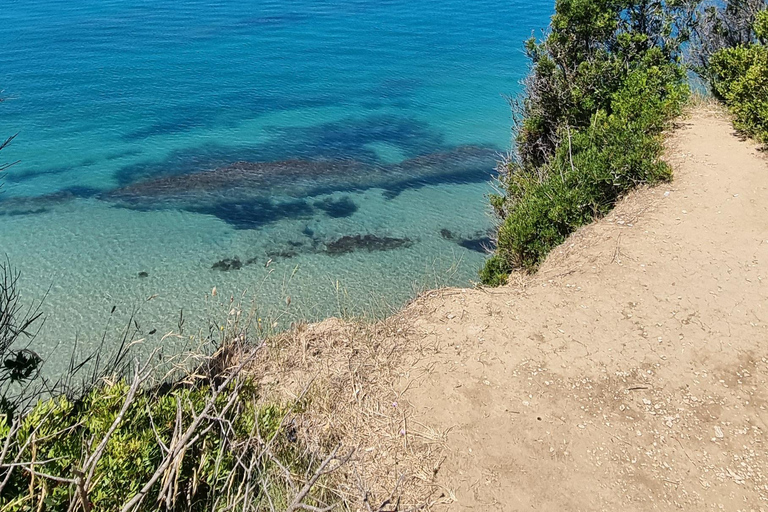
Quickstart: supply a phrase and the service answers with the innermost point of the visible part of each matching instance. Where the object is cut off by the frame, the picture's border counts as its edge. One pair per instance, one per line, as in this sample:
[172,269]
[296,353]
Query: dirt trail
[630,373]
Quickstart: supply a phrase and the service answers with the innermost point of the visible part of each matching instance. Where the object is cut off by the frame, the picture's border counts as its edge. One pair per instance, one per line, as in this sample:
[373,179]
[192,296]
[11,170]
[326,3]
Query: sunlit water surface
[337,153]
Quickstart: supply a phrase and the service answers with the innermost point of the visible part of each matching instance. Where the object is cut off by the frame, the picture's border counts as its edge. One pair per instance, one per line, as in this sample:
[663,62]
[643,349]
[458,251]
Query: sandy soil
[630,373]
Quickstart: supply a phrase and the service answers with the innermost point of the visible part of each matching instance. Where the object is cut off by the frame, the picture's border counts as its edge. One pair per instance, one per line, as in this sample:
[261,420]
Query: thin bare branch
[323,469]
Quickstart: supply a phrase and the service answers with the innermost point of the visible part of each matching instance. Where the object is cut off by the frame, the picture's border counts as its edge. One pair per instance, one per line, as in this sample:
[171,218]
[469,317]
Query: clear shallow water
[374,121]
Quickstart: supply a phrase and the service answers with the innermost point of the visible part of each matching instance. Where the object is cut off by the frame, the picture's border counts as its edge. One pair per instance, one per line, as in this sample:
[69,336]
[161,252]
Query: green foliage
[740,79]
[590,50]
[496,271]
[760,27]
[603,85]
[63,433]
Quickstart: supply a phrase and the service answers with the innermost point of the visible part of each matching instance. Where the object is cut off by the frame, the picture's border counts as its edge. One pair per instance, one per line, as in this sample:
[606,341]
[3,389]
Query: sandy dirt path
[630,373]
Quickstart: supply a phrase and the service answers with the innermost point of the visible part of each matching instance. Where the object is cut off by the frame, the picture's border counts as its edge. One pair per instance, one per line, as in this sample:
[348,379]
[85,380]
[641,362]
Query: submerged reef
[24,205]
[228,264]
[337,247]
[255,213]
[248,195]
[370,243]
[483,244]
[345,139]
[337,208]
[447,234]
[479,242]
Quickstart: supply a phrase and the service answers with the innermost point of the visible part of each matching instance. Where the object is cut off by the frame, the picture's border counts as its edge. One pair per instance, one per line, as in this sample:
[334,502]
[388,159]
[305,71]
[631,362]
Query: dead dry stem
[356,375]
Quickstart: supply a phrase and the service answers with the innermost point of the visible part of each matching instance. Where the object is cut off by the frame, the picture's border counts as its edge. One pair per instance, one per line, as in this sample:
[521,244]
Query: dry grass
[353,377]
[700,103]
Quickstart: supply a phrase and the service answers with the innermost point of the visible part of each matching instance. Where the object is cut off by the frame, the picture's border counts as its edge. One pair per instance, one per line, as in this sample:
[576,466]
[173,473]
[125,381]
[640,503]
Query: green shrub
[604,84]
[740,79]
[599,164]
[495,272]
[760,27]
[60,434]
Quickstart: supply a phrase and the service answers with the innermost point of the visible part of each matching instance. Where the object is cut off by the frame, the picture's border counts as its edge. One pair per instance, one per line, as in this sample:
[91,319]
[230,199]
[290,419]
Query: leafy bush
[104,450]
[603,85]
[739,77]
[590,50]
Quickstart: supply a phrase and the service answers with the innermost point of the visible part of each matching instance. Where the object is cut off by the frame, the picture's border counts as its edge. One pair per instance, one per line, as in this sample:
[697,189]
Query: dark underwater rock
[337,208]
[447,234]
[228,264]
[479,242]
[255,213]
[143,275]
[261,179]
[15,206]
[10,212]
[483,245]
[370,243]
[282,254]
[306,178]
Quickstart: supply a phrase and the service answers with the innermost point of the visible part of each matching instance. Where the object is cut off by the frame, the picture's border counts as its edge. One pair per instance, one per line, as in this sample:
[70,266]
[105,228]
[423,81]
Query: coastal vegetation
[739,77]
[18,326]
[246,420]
[204,442]
[604,84]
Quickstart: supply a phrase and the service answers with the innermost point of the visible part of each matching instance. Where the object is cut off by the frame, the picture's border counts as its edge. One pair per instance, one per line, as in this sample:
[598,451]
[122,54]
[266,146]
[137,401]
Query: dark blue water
[363,136]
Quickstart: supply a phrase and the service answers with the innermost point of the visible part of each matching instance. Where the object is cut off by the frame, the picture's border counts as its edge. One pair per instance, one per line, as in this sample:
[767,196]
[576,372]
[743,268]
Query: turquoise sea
[307,157]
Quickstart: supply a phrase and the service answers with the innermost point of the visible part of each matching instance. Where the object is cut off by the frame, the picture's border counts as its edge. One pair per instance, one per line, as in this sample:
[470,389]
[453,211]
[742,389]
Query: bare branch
[188,436]
[323,469]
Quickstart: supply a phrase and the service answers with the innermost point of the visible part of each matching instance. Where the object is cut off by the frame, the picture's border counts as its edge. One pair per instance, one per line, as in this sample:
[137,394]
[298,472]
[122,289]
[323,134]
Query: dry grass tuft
[353,377]
[701,103]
